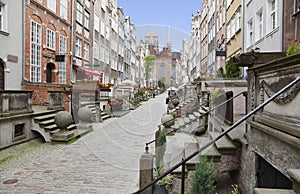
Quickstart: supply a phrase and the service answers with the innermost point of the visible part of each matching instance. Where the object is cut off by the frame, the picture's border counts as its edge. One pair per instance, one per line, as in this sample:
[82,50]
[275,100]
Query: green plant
[160,149]
[167,180]
[231,69]
[235,189]
[220,73]
[294,47]
[203,179]
[215,94]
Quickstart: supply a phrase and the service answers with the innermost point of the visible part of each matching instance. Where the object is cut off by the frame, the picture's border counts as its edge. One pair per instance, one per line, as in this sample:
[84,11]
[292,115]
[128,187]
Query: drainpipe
[72,42]
[23,40]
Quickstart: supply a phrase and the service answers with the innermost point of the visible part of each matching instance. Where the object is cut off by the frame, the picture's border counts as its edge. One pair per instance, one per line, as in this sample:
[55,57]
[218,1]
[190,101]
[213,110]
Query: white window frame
[250,32]
[79,13]
[238,19]
[96,50]
[86,51]
[86,19]
[3,17]
[97,23]
[51,38]
[62,65]
[233,29]
[272,14]
[259,25]
[228,30]
[64,9]
[35,51]
[51,4]
[78,47]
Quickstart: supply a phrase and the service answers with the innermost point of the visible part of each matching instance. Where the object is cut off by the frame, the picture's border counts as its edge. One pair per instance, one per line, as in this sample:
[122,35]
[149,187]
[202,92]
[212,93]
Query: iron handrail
[184,160]
[206,113]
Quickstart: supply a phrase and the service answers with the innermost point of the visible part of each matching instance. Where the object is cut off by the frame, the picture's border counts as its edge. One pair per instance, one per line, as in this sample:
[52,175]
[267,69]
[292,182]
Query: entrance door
[270,177]
[1,75]
[50,68]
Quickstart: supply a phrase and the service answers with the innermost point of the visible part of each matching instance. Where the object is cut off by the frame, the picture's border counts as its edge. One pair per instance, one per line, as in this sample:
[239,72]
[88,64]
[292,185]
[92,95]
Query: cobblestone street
[103,161]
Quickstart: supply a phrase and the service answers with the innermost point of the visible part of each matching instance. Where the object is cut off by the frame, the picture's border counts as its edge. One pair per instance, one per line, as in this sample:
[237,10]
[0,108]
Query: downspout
[23,41]
[72,42]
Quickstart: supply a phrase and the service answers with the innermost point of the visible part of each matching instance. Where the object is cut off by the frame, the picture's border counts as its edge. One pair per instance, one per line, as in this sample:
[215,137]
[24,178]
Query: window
[64,9]
[79,13]
[3,17]
[238,19]
[228,31]
[19,131]
[35,51]
[62,65]
[272,15]
[86,51]
[233,25]
[97,23]
[96,50]
[52,5]
[78,47]
[50,39]
[87,20]
[259,25]
[250,32]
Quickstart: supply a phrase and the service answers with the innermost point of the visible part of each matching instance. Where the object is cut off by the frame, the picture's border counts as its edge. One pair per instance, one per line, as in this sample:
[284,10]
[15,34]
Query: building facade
[47,64]
[12,44]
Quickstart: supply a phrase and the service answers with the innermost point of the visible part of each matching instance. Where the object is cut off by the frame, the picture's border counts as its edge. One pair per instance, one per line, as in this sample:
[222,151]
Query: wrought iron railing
[196,118]
[184,160]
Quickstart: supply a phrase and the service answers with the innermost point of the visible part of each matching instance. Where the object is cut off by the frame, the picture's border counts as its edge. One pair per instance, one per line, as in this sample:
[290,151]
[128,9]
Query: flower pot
[160,189]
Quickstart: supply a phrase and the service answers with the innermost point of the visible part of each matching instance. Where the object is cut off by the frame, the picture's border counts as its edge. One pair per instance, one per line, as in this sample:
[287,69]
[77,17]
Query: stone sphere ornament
[85,115]
[167,120]
[63,119]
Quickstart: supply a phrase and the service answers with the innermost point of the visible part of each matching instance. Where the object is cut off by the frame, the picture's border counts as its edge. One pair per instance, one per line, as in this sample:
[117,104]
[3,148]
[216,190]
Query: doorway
[49,72]
[2,81]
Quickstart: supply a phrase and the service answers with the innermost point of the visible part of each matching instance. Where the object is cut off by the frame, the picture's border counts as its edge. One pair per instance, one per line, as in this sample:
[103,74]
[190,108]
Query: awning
[91,72]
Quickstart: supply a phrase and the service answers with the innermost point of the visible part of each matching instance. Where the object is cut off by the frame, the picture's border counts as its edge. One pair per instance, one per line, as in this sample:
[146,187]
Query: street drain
[10,181]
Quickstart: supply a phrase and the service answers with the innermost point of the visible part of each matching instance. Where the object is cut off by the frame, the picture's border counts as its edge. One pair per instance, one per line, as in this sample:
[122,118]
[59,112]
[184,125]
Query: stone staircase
[224,153]
[43,123]
[95,110]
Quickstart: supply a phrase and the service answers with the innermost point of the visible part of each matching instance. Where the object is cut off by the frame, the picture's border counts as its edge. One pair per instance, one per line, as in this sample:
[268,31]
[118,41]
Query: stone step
[190,148]
[211,152]
[105,117]
[46,123]
[43,117]
[71,127]
[192,117]
[224,145]
[51,127]
[197,114]
[272,191]
[238,133]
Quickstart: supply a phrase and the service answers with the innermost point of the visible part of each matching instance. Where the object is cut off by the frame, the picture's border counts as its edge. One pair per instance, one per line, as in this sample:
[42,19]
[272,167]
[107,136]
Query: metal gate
[270,177]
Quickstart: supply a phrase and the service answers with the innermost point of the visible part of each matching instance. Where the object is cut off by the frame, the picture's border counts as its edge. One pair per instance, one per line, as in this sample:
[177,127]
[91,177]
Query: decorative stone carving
[85,115]
[284,98]
[167,120]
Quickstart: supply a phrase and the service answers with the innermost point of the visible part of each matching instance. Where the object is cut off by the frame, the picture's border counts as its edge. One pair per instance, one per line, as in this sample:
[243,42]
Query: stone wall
[273,133]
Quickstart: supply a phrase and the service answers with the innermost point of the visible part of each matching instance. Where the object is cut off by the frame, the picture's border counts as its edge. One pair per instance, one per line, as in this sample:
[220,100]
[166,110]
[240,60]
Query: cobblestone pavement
[103,161]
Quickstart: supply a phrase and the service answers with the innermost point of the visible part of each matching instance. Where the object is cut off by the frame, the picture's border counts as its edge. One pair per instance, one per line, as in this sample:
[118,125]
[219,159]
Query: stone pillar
[146,172]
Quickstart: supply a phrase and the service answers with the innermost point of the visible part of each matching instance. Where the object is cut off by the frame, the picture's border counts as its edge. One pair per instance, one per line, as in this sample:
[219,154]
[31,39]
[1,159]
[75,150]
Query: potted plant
[164,185]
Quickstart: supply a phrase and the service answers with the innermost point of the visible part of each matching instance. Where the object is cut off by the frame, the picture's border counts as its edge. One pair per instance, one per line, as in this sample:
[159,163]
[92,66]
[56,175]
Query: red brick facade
[39,12]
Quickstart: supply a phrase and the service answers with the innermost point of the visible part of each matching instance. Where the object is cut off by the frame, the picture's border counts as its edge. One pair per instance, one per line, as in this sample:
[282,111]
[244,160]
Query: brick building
[47,48]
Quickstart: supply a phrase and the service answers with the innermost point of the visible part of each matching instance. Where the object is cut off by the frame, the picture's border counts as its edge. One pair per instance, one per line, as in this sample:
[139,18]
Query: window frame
[51,39]
[35,51]
[259,24]
[3,17]
[86,51]
[250,32]
[78,47]
[64,9]
[86,19]
[62,65]
[79,13]
[51,4]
